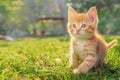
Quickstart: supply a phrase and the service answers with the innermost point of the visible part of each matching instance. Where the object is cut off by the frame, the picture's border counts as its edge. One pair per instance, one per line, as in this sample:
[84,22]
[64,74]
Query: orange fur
[87,45]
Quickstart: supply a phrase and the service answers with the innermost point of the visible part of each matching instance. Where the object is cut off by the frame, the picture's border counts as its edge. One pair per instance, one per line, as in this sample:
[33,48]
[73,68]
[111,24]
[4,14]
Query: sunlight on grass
[47,58]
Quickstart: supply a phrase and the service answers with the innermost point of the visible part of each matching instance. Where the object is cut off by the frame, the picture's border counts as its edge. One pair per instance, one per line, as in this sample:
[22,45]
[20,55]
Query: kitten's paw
[76,71]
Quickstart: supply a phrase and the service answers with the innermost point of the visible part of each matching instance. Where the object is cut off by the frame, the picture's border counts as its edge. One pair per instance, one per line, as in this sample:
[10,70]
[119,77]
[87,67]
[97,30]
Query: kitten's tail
[111,44]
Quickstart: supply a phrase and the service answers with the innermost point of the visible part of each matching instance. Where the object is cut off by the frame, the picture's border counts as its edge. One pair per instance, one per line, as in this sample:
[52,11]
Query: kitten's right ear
[92,14]
[71,13]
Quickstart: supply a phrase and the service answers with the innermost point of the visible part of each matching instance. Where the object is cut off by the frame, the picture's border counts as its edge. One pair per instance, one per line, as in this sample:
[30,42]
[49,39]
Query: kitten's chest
[79,48]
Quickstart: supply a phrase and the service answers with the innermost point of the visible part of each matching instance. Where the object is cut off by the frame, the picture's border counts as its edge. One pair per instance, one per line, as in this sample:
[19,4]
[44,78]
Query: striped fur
[87,48]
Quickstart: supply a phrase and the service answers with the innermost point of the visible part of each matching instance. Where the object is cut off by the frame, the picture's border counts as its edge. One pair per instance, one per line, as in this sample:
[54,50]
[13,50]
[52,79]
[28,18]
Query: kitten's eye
[74,25]
[83,25]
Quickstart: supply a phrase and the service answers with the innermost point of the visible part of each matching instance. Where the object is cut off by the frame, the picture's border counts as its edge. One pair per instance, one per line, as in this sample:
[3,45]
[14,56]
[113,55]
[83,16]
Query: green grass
[47,59]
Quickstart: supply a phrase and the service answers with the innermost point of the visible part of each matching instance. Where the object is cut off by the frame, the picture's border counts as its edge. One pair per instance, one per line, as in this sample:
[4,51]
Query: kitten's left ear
[92,14]
[71,13]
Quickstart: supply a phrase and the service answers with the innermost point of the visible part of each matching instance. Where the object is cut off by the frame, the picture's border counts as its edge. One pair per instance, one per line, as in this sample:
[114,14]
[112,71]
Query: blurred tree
[5,11]
[33,9]
[15,22]
[24,17]
[61,5]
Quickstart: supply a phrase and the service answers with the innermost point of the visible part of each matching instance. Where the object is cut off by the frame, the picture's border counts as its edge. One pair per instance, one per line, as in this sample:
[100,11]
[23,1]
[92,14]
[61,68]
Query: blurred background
[23,18]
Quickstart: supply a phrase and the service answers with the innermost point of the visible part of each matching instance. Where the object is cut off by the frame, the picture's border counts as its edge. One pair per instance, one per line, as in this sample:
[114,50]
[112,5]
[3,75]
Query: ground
[47,59]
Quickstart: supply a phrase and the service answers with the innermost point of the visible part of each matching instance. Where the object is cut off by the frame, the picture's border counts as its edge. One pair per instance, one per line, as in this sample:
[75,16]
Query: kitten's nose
[78,30]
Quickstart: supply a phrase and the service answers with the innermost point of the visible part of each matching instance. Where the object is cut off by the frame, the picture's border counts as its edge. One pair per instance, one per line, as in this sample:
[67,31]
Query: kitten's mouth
[77,33]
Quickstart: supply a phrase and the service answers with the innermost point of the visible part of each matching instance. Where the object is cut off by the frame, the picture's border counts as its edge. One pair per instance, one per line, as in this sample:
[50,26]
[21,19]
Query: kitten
[87,48]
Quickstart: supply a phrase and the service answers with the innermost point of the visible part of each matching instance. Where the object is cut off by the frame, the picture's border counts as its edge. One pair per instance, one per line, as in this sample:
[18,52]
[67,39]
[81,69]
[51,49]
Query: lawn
[47,59]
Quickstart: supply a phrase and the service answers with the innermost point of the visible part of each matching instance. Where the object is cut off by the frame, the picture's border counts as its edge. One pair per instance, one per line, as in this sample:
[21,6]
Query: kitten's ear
[92,14]
[71,13]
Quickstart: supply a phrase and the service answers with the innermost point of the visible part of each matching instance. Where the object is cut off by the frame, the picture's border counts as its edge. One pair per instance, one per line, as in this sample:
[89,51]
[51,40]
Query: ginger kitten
[87,48]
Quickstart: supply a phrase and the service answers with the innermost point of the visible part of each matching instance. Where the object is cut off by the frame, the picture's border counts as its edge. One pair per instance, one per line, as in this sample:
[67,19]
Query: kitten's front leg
[74,60]
[87,64]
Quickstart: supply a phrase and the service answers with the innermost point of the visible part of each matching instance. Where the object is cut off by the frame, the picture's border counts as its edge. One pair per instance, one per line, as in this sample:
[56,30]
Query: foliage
[5,11]
[47,59]
[23,15]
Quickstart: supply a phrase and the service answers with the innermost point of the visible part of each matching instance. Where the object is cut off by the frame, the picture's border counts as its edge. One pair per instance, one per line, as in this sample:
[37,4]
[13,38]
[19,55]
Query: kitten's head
[82,25]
